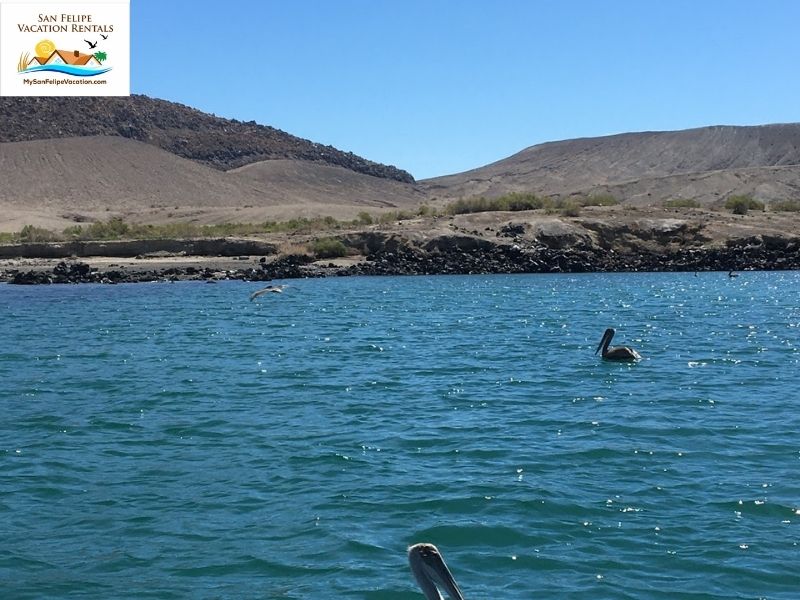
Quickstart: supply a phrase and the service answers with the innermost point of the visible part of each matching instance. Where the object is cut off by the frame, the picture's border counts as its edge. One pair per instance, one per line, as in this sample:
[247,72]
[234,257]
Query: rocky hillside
[178,129]
[590,164]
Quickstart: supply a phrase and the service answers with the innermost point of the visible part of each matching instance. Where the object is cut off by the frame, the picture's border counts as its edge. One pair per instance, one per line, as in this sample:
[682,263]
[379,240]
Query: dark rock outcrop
[131,248]
[221,143]
[393,256]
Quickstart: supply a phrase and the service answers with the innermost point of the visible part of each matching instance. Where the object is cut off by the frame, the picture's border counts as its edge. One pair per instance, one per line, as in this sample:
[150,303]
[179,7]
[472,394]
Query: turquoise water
[177,441]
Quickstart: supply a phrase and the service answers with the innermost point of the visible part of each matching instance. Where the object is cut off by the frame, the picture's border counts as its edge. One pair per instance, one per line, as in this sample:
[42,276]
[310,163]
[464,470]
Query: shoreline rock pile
[451,259]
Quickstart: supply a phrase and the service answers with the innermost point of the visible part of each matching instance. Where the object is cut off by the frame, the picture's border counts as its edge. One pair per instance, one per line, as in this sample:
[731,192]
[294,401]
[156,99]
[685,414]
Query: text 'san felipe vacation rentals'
[65,48]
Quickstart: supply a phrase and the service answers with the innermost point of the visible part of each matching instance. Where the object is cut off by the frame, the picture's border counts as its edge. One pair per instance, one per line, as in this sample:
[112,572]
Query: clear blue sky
[441,86]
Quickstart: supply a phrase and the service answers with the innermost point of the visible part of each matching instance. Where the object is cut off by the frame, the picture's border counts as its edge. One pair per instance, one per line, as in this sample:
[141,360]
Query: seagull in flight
[276,289]
[91,45]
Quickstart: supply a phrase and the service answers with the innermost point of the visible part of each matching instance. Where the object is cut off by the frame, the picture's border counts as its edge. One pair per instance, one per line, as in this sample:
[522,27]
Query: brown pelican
[277,289]
[431,573]
[615,352]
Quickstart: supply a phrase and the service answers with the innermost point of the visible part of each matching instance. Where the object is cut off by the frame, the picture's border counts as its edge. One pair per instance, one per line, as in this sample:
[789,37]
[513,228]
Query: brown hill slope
[709,188]
[57,182]
[299,182]
[575,166]
[187,132]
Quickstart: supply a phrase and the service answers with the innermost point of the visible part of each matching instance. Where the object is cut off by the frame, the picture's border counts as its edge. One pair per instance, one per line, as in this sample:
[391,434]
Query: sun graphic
[45,48]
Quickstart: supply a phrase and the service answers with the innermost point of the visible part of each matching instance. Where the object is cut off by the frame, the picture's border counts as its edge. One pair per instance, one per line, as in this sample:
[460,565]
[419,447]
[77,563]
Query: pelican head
[621,353]
[609,333]
[431,572]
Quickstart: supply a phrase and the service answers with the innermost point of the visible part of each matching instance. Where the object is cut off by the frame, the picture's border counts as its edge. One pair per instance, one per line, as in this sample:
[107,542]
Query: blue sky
[442,86]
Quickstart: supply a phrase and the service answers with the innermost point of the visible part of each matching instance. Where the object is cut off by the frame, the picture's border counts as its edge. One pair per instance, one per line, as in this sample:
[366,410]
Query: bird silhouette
[277,289]
[91,45]
[615,352]
[105,37]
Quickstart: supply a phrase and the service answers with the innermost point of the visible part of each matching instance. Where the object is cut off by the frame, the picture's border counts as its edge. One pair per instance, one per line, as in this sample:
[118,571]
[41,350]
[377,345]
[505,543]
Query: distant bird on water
[276,289]
[732,274]
[431,573]
[619,353]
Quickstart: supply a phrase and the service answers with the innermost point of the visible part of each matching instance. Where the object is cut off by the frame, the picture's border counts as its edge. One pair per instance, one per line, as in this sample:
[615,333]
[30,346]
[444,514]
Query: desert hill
[703,164]
[68,160]
[55,183]
[181,130]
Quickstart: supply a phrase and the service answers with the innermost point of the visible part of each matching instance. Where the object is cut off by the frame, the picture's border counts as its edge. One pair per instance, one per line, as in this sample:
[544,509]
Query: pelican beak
[439,573]
[430,571]
[602,341]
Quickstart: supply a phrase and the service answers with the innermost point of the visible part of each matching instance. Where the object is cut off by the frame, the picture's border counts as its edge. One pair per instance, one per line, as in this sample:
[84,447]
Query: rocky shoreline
[450,258]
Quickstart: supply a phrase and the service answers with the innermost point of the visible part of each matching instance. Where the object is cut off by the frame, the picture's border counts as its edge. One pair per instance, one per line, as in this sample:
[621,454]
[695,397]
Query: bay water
[179,441]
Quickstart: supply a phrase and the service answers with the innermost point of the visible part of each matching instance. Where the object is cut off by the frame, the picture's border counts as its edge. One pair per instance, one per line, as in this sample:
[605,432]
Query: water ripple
[174,441]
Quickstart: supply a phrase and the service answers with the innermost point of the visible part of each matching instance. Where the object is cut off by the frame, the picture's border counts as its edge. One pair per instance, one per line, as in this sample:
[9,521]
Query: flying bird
[276,289]
[91,45]
[431,573]
[619,353]
[105,37]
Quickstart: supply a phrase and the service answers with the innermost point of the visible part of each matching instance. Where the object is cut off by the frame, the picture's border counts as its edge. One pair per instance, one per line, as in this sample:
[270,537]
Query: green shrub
[785,206]
[519,201]
[328,248]
[30,234]
[391,217]
[514,201]
[364,218]
[599,200]
[681,203]
[741,204]
[570,208]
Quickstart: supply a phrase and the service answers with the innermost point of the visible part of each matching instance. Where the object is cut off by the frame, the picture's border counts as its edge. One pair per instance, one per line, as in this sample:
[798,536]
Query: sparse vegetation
[570,208]
[364,218]
[785,206]
[393,216]
[681,203]
[328,248]
[510,202]
[523,201]
[117,229]
[739,204]
[425,211]
[30,234]
[598,200]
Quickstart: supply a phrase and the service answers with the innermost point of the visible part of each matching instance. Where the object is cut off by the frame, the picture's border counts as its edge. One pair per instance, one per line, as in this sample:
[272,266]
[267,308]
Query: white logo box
[65,48]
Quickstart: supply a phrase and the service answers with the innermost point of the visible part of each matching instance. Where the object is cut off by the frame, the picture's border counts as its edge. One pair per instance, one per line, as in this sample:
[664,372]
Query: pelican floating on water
[277,289]
[615,352]
[432,573]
